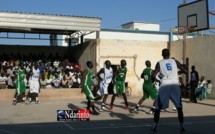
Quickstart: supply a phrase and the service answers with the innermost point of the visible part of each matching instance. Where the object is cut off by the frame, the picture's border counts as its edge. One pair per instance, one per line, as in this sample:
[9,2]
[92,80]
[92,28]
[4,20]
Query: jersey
[88,79]
[108,75]
[20,84]
[121,75]
[147,76]
[36,74]
[169,70]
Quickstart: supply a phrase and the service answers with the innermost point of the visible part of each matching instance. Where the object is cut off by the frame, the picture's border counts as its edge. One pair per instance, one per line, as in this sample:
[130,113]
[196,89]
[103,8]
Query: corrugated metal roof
[50,14]
[46,23]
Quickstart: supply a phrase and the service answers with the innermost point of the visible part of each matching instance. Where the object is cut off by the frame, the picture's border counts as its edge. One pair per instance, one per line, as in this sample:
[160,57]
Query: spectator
[201,88]
[76,81]
[3,80]
[27,81]
[69,78]
[11,82]
[43,82]
[48,81]
[209,86]
[194,78]
[41,68]
[64,82]
[56,82]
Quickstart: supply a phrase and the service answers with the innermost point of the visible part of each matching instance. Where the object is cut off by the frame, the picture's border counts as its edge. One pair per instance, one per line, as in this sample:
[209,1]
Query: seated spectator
[11,82]
[3,80]
[27,81]
[56,81]
[43,82]
[69,78]
[201,88]
[76,81]
[64,82]
[48,81]
[209,87]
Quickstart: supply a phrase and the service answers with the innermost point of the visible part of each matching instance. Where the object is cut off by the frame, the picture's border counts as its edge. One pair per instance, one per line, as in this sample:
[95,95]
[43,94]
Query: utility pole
[184,41]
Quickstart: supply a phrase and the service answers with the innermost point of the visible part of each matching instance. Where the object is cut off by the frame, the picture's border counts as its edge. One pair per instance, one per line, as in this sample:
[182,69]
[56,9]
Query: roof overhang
[47,24]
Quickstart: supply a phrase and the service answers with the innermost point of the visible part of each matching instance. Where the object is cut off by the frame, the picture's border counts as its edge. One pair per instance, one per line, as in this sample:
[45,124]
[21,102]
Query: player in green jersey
[148,88]
[87,86]
[119,84]
[20,84]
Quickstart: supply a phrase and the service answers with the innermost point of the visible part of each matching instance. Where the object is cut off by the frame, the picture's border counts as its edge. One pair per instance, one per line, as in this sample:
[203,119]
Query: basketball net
[184,30]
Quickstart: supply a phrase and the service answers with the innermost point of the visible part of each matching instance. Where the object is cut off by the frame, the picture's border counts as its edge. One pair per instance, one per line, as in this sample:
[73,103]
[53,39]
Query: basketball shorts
[149,91]
[34,87]
[119,87]
[169,92]
[88,92]
[103,89]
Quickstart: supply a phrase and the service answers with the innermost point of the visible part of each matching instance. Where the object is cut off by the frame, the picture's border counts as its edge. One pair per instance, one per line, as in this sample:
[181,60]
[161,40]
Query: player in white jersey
[107,73]
[169,88]
[35,83]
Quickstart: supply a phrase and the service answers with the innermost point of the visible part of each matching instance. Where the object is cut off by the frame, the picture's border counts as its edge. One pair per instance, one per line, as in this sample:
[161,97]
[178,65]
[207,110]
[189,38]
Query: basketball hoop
[184,30]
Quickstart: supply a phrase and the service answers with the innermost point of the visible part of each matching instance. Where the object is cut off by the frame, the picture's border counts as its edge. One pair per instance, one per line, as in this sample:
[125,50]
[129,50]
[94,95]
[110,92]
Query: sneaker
[95,113]
[14,102]
[153,131]
[174,109]
[103,108]
[111,107]
[182,131]
[134,110]
[126,107]
[152,111]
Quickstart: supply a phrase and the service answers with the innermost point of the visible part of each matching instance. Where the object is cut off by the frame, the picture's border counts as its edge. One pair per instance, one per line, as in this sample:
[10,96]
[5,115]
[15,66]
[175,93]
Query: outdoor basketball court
[42,118]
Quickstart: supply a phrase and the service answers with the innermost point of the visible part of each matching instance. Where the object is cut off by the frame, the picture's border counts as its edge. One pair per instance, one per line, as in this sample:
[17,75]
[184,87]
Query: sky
[113,13]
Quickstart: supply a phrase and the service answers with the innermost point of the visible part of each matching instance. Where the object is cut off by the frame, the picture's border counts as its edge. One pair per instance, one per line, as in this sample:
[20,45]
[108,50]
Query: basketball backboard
[194,15]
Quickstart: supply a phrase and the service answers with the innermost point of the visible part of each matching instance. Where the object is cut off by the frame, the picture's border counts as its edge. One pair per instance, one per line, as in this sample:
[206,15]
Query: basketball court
[42,118]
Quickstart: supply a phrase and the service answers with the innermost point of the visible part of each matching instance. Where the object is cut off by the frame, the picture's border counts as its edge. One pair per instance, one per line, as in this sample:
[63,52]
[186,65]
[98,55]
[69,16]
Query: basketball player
[169,88]
[86,87]
[119,84]
[20,84]
[148,88]
[35,83]
[105,76]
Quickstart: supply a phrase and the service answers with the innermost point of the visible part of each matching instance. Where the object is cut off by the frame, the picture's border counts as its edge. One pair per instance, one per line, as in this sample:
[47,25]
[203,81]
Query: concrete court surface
[42,118]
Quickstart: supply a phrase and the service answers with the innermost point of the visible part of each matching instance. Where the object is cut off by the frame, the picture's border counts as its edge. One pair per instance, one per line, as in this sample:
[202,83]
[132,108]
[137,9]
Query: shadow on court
[125,124]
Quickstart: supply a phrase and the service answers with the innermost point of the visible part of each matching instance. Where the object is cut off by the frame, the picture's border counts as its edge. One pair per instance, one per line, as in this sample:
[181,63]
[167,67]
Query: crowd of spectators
[56,71]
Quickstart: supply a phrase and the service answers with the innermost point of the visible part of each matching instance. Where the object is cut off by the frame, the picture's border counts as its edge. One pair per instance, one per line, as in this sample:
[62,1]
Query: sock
[88,105]
[103,104]
[23,99]
[14,99]
[137,106]
[37,99]
[30,99]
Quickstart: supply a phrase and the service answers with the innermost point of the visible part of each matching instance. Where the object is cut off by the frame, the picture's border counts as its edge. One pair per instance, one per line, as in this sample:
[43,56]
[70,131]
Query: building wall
[134,52]
[200,52]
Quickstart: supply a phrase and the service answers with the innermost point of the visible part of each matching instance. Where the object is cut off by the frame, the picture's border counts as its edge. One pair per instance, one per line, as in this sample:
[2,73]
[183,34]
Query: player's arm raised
[156,71]
[181,67]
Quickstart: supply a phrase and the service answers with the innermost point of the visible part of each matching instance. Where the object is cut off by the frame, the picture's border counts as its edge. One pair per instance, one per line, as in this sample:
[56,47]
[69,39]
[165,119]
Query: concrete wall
[134,52]
[201,53]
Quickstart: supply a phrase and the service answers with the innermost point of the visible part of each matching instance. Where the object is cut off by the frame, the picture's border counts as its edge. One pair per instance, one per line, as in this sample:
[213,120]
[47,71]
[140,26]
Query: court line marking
[67,125]
[9,132]
[111,126]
